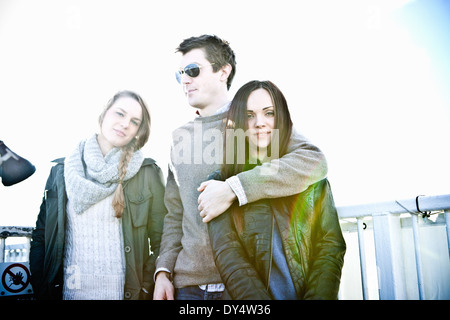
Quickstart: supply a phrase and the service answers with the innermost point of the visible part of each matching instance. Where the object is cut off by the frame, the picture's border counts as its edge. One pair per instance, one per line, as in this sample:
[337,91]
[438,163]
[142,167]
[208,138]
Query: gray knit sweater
[196,152]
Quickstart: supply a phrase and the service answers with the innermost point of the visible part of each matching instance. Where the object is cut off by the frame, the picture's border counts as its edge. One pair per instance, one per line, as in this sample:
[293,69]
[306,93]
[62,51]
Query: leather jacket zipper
[271,252]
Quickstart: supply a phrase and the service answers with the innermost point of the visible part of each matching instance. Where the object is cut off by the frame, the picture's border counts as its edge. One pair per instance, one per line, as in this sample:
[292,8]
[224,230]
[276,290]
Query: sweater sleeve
[172,231]
[303,165]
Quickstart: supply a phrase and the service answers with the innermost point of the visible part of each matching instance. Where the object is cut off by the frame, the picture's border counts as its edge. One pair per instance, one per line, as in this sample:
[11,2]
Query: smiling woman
[120,127]
[106,245]
[120,122]
[261,121]
[259,247]
[367,81]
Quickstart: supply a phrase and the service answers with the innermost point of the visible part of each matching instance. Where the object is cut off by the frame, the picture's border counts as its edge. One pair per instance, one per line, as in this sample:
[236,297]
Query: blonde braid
[118,201]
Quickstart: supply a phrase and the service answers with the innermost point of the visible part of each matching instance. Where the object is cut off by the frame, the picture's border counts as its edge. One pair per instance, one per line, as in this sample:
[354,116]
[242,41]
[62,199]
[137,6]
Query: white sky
[359,86]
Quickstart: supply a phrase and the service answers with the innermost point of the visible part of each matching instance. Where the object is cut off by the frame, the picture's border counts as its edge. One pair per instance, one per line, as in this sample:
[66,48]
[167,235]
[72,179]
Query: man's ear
[225,70]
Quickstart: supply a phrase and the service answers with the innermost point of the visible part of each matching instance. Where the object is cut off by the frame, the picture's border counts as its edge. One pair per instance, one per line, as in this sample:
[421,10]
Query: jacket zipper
[271,252]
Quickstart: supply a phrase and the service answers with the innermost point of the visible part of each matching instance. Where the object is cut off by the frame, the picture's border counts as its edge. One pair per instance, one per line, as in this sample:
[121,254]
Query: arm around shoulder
[303,165]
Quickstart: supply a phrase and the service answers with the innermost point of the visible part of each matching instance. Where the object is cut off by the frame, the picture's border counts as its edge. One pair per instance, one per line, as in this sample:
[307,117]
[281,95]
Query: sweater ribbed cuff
[236,186]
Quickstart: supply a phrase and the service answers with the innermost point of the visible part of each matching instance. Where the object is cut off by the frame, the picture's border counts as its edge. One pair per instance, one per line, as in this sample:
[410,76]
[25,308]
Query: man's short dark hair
[217,51]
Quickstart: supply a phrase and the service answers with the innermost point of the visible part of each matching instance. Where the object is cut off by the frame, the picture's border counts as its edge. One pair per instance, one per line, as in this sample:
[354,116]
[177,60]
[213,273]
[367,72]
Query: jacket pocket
[139,207]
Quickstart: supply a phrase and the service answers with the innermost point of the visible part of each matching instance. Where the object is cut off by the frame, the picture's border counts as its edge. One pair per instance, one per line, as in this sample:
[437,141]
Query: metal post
[389,256]
[447,225]
[419,270]
[28,247]
[362,259]
[2,250]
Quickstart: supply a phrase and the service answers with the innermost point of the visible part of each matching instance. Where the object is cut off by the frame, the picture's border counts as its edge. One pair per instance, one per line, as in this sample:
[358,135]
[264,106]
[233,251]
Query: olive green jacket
[142,224]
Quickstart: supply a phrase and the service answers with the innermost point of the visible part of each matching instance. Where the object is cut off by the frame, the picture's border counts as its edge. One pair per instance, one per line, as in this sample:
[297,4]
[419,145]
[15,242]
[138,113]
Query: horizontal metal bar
[426,203]
[14,231]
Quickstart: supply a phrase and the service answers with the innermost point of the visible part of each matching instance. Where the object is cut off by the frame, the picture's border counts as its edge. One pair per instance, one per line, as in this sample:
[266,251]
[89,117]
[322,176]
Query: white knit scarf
[90,177]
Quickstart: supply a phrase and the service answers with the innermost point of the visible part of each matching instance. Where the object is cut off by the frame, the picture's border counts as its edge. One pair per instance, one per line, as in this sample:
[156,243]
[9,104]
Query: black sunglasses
[192,70]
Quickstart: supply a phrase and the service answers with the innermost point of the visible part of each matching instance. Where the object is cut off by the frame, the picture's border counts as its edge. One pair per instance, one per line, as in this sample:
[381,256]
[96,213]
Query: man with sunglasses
[185,262]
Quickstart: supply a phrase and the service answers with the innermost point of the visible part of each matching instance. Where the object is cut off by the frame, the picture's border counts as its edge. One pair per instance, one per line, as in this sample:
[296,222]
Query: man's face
[202,90]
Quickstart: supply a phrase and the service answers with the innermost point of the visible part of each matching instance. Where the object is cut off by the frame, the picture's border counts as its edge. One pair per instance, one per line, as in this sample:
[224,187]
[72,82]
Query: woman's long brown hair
[237,119]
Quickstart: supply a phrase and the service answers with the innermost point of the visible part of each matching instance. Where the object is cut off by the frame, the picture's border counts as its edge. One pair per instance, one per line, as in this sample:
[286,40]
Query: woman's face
[261,118]
[120,124]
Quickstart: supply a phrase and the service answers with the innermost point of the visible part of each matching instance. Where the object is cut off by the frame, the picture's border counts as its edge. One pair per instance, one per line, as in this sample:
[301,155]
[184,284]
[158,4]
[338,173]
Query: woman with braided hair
[99,228]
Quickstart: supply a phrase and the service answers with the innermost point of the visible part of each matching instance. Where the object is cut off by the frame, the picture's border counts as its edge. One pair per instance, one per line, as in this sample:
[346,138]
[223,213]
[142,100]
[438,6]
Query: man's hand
[164,289]
[215,198]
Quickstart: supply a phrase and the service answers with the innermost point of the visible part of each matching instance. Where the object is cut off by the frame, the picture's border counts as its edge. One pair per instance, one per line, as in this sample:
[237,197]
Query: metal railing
[14,231]
[392,224]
